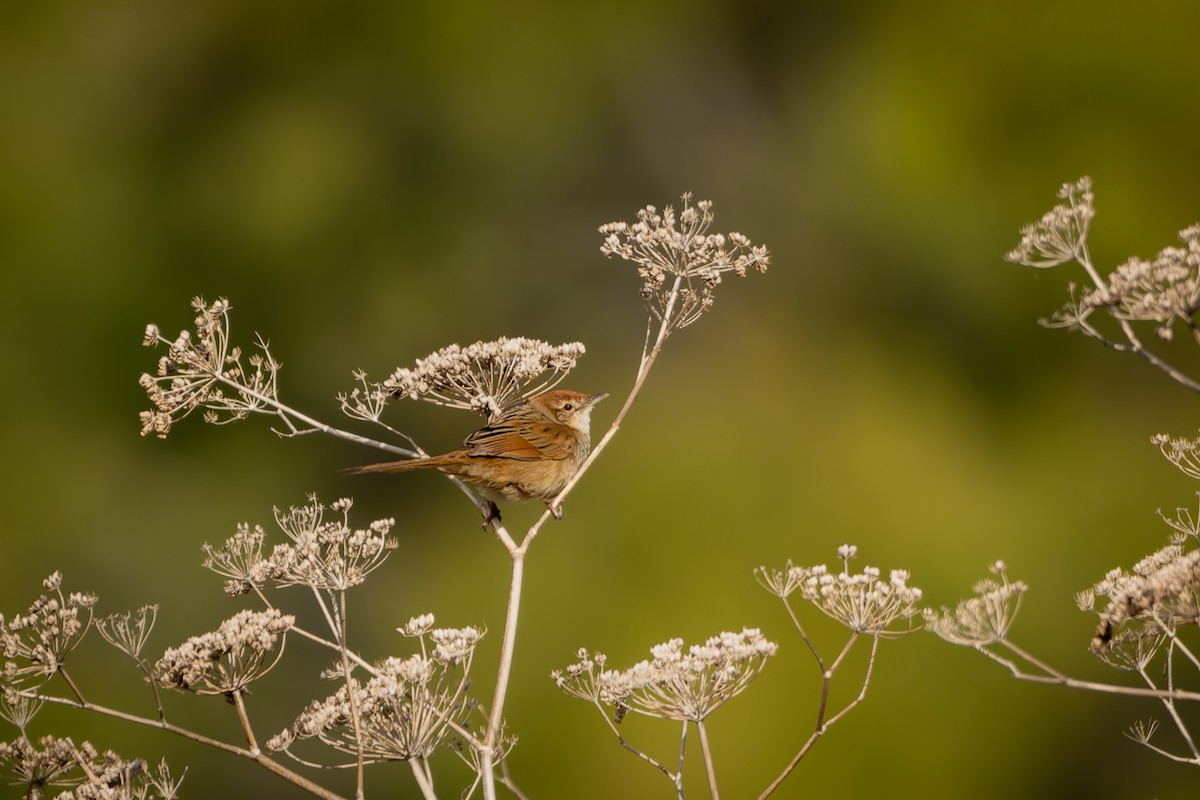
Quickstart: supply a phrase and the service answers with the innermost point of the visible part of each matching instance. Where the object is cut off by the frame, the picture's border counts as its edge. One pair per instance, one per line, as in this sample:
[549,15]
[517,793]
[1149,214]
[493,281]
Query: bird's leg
[555,510]
[492,515]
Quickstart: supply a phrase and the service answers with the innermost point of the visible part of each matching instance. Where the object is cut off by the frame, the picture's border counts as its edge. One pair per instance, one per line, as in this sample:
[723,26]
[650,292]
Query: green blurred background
[369,182]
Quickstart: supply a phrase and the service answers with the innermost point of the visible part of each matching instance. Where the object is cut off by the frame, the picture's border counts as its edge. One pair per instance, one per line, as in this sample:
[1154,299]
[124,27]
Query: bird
[529,450]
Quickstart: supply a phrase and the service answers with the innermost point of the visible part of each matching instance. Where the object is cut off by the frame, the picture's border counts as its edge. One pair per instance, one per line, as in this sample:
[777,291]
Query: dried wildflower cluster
[1164,290]
[983,619]
[1183,452]
[322,554]
[87,773]
[864,602]
[1061,234]
[674,684]
[680,263]
[1163,590]
[407,709]
[128,632]
[190,375]
[228,659]
[484,376]
[36,643]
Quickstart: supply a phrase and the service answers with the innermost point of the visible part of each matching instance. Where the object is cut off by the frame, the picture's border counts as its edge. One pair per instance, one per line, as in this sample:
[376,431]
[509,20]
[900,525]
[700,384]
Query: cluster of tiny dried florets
[483,377]
[189,377]
[86,773]
[1163,589]
[983,619]
[1061,234]
[1182,451]
[227,660]
[680,263]
[322,554]
[35,644]
[1164,290]
[407,709]
[864,602]
[128,632]
[675,683]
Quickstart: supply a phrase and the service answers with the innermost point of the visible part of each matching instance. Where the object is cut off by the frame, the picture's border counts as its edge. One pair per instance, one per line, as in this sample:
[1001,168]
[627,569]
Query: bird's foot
[556,510]
[492,518]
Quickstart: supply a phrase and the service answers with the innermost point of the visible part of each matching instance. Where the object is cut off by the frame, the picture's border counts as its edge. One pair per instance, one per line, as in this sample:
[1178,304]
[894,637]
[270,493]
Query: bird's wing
[521,441]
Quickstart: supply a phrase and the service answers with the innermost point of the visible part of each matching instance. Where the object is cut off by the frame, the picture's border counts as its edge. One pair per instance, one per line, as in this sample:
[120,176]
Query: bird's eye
[568,406]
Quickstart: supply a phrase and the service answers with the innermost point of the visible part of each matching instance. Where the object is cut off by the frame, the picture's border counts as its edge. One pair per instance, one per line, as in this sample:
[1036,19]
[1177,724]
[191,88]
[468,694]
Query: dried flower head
[228,659]
[1162,589]
[780,582]
[19,708]
[190,376]
[405,708]
[90,774]
[36,643]
[1061,234]
[321,554]
[486,376]
[1185,525]
[864,602]
[1132,649]
[983,619]
[51,763]
[128,632]
[240,559]
[679,262]
[328,554]
[674,684]
[1181,451]
[1163,290]
[365,401]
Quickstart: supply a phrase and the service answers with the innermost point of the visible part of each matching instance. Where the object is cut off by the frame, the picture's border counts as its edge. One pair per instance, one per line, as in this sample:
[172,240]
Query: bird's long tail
[404,465]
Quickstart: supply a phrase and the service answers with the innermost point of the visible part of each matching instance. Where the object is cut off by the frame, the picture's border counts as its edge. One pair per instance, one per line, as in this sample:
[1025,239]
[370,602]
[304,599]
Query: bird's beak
[595,398]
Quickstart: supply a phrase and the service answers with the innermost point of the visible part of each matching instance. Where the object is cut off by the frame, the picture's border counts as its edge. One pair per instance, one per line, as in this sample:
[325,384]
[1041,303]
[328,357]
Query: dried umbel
[675,683]
[679,261]
[865,602]
[1162,591]
[35,644]
[191,375]
[983,619]
[1164,290]
[486,376]
[406,709]
[229,659]
[87,773]
[1061,234]
[327,554]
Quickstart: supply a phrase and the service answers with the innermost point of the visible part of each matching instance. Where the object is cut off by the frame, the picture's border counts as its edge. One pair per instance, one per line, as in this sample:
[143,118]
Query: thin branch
[1056,678]
[824,725]
[422,779]
[676,778]
[1135,343]
[350,693]
[294,778]
[708,761]
[647,361]
[239,703]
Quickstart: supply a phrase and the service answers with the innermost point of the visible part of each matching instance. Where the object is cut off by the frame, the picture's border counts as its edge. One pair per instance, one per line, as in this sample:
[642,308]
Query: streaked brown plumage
[529,451]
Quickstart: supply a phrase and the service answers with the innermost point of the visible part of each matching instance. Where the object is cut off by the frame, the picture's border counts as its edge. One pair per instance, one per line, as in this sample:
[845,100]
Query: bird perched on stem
[529,450]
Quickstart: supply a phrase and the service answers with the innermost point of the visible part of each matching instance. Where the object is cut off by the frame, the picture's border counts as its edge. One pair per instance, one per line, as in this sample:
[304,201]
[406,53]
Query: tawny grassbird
[528,451]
